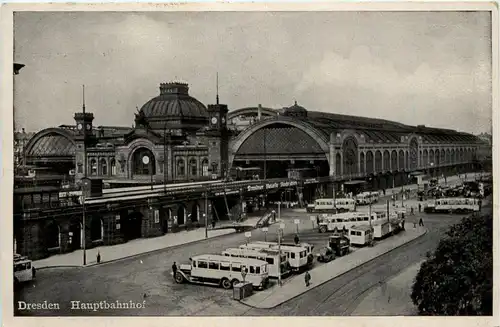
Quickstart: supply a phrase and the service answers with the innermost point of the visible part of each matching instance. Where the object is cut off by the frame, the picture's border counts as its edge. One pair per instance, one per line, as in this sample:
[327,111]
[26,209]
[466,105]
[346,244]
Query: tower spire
[217,87]
[83,106]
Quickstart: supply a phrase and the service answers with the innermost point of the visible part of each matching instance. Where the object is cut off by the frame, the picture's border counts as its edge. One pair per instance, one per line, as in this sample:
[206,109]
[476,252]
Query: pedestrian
[174,269]
[419,207]
[296,239]
[307,279]
[384,191]
[421,222]
[213,223]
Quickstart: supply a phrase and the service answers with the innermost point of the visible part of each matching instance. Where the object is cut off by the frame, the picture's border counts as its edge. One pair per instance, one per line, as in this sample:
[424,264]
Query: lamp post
[280,230]
[165,158]
[145,160]
[265,230]
[206,214]
[83,231]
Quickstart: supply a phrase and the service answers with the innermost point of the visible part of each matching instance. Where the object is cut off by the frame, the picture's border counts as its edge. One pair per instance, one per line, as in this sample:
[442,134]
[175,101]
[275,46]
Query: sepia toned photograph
[253,163]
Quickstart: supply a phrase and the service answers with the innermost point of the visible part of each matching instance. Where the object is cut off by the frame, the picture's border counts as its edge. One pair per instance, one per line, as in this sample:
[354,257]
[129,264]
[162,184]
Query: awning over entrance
[354,182]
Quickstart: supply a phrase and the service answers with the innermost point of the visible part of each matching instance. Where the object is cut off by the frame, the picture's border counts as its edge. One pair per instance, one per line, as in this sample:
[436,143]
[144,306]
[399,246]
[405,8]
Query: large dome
[174,103]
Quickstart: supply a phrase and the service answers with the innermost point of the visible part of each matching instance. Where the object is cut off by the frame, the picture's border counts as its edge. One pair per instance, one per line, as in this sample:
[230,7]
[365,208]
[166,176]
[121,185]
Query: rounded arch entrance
[132,225]
[278,145]
[76,236]
[52,233]
[143,162]
[96,229]
[181,215]
[195,212]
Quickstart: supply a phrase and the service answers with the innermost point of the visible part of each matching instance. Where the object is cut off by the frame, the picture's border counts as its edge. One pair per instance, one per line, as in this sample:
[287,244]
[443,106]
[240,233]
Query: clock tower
[83,138]
[218,140]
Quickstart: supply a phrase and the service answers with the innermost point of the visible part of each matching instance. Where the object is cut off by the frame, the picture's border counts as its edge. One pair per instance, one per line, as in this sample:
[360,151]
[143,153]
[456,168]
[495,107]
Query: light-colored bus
[224,271]
[332,222]
[361,234]
[338,205]
[453,205]
[270,256]
[367,198]
[296,255]
[23,270]
[381,228]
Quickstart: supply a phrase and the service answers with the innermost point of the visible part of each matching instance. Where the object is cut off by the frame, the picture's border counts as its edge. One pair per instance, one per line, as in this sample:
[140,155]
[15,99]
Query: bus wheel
[234,282]
[179,279]
[322,229]
[226,284]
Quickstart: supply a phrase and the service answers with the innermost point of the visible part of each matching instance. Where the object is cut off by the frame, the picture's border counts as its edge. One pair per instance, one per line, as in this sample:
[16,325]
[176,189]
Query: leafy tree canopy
[458,278]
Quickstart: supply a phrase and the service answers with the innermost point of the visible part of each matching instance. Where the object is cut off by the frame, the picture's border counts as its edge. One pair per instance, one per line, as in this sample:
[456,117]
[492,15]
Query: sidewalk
[294,286]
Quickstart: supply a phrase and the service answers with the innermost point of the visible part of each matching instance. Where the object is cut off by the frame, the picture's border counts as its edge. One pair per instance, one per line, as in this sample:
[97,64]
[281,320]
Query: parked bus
[224,271]
[268,255]
[337,205]
[296,255]
[23,270]
[453,205]
[361,235]
[381,229]
[332,222]
[366,198]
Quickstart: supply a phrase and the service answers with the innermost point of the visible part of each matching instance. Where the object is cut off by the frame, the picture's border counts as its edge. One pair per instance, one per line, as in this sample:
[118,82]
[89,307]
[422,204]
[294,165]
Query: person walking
[421,222]
[174,269]
[419,207]
[296,239]
[307,279]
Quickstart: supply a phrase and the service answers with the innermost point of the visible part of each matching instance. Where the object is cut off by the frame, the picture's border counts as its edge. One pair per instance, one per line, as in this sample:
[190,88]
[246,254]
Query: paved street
[147,278]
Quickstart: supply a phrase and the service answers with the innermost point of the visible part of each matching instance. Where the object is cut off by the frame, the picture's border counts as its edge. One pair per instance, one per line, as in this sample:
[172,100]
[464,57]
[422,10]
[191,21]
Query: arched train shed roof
[52,142]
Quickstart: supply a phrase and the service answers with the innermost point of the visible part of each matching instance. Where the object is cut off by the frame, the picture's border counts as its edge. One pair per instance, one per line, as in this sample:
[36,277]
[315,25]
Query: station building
[176,138]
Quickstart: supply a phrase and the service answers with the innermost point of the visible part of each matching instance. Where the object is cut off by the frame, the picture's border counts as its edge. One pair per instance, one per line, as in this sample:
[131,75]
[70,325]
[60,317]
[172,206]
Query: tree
[458,278]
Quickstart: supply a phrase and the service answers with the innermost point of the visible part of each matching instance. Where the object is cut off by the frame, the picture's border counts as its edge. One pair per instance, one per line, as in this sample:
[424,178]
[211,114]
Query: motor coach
[453,205]
[335,205]
[270,256]
[381,229]
[224,271]
[23,270]
[333,222]
[361,235]
[297,256]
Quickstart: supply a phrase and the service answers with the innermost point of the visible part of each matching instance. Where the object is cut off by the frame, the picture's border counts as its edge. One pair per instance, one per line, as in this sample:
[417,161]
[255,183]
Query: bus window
[225,266]
[235,267]
[359,219]
[202,264]
[194,264]
[270,261]
[257,270]
[292,255]
[353,232]
[213,265]
[366,218]
[252,270]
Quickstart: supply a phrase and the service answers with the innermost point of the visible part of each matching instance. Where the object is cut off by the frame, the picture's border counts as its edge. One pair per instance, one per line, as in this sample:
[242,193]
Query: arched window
[96,229]
[193,167]
[387,160]
[350,156]
[204,167]
[369,162]
[113,167]
[141,165]
[180,167]
[413,154]
[394,160]
[104,167]
[362,162]
[378,161]
[93,167]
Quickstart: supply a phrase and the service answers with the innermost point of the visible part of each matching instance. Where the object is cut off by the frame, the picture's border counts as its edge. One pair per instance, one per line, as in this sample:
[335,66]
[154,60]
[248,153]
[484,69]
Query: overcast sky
[415,68]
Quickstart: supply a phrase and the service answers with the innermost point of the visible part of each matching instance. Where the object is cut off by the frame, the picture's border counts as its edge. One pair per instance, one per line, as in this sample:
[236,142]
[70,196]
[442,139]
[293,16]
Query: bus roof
[219,257]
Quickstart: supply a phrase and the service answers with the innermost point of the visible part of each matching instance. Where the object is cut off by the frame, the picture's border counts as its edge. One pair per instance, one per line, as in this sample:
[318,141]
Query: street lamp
[145,160]
[265,230]
[280,230]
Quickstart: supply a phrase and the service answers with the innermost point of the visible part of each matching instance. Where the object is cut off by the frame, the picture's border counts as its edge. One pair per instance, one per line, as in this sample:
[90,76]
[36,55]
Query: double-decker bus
[224,271]
[271,256]
[333,222]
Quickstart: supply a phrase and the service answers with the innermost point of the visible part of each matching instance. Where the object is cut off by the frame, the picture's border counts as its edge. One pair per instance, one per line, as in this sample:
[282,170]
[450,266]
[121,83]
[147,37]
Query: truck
[339,243]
